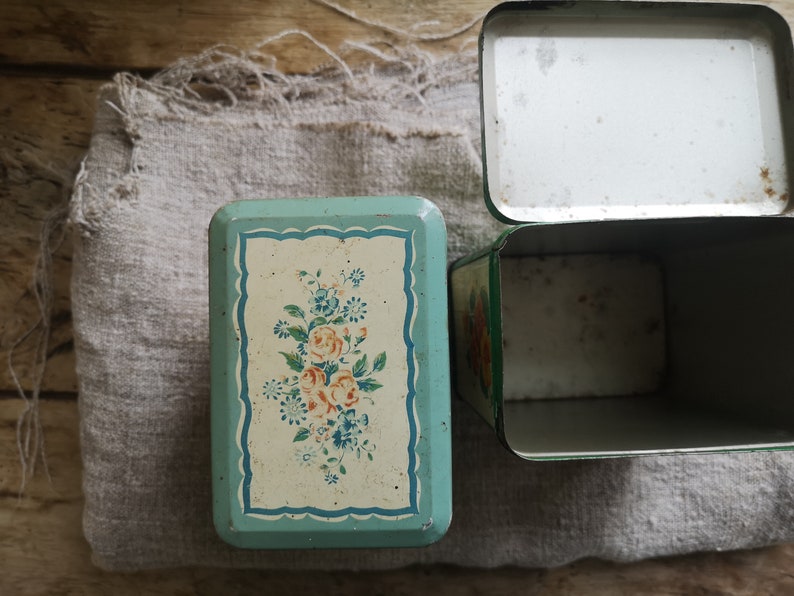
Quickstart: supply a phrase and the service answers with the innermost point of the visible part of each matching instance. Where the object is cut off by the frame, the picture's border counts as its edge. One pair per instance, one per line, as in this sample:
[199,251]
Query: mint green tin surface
[330,373]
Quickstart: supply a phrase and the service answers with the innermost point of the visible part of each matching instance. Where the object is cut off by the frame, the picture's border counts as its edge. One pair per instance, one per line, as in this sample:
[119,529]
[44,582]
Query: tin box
[647,308]
[330,373]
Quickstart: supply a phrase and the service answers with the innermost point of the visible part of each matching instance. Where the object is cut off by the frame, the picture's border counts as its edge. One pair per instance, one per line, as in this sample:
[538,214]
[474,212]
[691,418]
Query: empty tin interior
[606,110]
[597,325]
[725,381]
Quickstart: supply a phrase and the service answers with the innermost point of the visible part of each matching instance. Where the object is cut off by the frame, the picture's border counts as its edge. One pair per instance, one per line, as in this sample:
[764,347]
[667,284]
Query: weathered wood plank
[150,34]
[45,128]
[43,551]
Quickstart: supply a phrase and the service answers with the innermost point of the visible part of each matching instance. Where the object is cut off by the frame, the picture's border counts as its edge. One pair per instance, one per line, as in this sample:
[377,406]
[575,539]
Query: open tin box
[648,308]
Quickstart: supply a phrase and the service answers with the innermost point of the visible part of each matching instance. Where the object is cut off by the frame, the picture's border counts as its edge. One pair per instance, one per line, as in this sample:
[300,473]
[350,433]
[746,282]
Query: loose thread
[29,431]
[405,33]
[331,54]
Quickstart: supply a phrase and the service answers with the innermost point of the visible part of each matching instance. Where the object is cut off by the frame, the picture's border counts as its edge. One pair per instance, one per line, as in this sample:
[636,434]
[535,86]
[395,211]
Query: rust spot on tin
[770,192]
[764,173]
[784,197]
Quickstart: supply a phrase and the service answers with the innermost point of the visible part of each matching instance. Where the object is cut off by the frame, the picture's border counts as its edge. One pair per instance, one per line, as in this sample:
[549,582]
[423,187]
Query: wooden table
[53,57]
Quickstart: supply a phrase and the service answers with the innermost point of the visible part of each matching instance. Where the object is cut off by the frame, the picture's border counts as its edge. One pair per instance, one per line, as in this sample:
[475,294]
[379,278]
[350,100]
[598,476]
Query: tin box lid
[607,110]
[330,396]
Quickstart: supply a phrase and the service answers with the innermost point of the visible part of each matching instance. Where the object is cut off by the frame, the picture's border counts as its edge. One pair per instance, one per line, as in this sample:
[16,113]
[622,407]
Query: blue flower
[348,430]
[354,310]
[293,409]
[302,349]
[280,329]
[356,276]
[343,440]
[273,389]
[331,478]
[325,302]
[305,455]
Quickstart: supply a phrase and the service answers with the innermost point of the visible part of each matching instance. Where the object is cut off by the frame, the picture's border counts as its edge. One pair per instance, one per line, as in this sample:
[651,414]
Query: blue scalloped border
[413,508]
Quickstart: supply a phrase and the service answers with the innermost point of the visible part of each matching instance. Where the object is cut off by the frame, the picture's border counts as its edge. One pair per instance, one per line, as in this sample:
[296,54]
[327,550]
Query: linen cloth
[165,155]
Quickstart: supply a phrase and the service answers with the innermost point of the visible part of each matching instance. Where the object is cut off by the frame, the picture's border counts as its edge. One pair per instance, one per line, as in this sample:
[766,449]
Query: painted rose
[311,379]
[480,321]
[344,389]
[319,406]
[324,344]
[477,334]
[474,352]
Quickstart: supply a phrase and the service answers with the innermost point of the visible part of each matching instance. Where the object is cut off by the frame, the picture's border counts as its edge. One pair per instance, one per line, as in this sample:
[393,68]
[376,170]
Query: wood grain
[43,551]
[149,34]
[45,127]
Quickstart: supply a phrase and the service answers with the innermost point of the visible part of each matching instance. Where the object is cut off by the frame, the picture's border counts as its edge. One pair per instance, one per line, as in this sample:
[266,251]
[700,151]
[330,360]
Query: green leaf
[369,456]
[319,271]
[316,322]
[301,435]
[368,385]
[294,360]
[324,467]
[380,362]
[333,460]
[325,451]
[298,333]
[295,310]
[360,367]
[342,470]
[338,320]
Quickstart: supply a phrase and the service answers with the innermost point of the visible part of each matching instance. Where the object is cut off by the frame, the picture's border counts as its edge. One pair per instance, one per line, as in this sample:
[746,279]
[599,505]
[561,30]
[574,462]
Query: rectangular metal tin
[330,373]
[701,363]
[632,110]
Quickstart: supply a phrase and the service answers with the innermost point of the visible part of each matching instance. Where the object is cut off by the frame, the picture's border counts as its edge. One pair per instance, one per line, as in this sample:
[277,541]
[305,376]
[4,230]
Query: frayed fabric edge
[224,77]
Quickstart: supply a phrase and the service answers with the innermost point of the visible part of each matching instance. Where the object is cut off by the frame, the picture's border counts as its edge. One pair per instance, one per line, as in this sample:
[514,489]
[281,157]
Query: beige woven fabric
[164,157]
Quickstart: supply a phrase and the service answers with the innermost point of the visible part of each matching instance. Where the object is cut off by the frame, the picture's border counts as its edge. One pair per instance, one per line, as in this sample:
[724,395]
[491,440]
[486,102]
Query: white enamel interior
[582,326]
[693,314]
[624,117]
